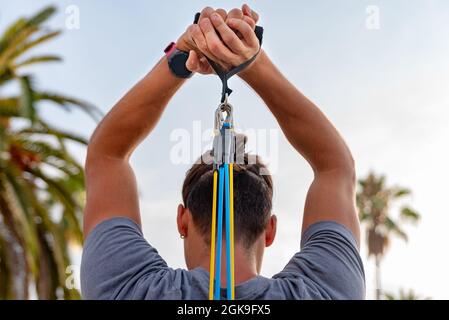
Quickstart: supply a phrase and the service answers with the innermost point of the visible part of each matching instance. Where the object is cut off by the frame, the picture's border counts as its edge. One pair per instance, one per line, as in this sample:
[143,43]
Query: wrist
[255,67]
[176,60]
[183,45]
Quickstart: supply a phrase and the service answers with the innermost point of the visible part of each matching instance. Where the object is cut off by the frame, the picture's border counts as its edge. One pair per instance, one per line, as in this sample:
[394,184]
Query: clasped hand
[226,38]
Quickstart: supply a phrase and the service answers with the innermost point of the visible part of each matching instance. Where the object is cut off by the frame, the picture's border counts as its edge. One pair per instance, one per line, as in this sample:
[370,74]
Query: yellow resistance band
[212,239]
[231,209]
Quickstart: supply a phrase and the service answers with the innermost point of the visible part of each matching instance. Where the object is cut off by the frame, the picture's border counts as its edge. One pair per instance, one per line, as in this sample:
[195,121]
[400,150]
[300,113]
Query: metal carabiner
[219,120]
[224,144]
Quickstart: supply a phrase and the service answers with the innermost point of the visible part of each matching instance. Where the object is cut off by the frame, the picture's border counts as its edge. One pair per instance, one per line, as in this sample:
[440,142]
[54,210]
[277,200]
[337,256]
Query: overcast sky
[385,89]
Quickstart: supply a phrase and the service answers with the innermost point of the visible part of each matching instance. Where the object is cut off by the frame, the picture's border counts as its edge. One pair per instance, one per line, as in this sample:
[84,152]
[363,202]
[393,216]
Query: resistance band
[222,204]
[223,184]
[212,237]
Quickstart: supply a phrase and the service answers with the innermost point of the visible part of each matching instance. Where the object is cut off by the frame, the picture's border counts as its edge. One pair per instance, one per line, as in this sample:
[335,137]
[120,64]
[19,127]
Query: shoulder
[327,267]
[118,263]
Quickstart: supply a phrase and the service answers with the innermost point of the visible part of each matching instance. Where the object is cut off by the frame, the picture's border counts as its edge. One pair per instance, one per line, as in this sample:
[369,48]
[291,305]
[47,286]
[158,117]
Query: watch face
[178,61]
[179,57]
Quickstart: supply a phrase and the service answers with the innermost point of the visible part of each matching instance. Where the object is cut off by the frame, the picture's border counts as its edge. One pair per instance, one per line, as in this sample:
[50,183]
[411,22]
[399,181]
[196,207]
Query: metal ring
[219,119]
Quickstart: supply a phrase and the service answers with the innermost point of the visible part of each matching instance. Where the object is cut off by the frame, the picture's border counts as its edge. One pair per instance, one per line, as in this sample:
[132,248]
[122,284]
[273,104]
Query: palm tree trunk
[14,253]
[378,279]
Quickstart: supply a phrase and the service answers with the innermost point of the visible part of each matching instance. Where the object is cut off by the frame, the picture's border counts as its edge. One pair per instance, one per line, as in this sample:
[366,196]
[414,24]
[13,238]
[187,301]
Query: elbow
[100,150]
[94,156]
[342,166]
[346,170]
[349,169]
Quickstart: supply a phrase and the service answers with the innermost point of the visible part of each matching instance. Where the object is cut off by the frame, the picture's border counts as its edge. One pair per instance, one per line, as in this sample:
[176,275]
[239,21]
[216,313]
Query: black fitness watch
[177,61]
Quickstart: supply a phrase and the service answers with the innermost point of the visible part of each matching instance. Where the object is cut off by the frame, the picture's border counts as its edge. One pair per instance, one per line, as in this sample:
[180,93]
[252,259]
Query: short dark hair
[253,194]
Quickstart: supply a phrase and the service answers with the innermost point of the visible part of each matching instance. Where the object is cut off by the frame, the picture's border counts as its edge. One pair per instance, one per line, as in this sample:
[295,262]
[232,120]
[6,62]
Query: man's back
[118,263]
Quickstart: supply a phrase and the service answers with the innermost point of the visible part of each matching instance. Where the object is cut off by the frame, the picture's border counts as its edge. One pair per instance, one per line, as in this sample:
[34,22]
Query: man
[118,263]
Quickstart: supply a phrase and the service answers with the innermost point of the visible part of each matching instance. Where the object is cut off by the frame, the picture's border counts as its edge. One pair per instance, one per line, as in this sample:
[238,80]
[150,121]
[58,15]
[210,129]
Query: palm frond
[11,32]
[9,107]
[32,43]
[55,187]
[37,59]
[394,227]
[43,128]
[42,149]
[19,31]
[57,247]
[26,98]
[66,101]
[401,192]
[42,16]
[14,43]
[409,214]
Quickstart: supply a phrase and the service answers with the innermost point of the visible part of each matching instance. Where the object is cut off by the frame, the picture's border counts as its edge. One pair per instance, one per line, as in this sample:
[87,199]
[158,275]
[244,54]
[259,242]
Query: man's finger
[214,44]
[250,21]
[200,41]
[227,34]
[247,32]
[235,14]
[205,13]
[222,13]
[249,12]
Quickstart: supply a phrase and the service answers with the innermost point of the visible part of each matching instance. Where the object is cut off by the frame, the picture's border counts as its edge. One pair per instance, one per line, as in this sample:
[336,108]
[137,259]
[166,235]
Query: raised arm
[332,193]
[110,182]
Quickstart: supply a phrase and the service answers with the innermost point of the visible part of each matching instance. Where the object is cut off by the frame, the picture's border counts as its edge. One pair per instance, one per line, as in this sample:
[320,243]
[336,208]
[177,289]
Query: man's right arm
[331,196]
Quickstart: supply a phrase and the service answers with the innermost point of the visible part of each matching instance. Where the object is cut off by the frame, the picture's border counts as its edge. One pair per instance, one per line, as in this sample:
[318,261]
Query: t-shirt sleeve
[328,266]
[116,259]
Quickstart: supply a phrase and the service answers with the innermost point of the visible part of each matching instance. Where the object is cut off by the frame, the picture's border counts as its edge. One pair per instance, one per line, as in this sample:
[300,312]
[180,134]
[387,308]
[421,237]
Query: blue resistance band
[219,233]
[228,233]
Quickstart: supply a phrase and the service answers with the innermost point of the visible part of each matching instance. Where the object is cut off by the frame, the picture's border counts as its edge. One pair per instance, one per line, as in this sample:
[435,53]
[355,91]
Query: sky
[382,82]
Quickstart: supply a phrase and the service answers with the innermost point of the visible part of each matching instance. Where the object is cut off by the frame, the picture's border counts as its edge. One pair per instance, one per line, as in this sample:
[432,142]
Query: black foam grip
[259,33]
[197,17]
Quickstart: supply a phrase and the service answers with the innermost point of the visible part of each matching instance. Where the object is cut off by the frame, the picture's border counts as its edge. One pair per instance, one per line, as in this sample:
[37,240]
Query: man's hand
[226,38]
[187,44]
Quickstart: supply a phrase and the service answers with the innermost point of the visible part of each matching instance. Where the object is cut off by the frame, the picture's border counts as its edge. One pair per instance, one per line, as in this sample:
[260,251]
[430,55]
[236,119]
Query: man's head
[254,225]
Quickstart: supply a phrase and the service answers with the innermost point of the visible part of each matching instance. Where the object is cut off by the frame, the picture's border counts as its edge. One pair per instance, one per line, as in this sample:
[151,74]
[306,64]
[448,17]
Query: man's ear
[270,231]
[182,220]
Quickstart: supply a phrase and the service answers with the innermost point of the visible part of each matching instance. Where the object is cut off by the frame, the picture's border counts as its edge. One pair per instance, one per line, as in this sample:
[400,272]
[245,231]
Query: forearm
[304,125]
[110,182]
[135,115]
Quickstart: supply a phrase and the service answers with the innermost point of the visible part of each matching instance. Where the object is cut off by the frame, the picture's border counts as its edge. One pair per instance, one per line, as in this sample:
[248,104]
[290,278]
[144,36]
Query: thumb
[192,63]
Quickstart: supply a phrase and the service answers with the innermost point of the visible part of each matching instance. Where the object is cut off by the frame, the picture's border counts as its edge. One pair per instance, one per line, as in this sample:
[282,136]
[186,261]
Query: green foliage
[41,184]
[375,202]
[404,295]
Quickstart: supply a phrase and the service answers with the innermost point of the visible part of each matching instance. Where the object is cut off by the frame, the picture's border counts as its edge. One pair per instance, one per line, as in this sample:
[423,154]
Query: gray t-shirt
[118,263]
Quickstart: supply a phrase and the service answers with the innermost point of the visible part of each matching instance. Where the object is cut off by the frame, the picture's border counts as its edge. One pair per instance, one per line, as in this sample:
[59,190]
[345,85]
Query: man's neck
[245,265]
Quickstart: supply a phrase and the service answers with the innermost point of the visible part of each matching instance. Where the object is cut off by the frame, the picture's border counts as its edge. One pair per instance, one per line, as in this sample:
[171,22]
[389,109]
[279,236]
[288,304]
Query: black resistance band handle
[225,75]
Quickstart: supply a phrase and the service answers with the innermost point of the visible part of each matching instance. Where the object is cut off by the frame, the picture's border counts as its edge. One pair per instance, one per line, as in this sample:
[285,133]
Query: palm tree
[405,295]
[374,201]
[41,184]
